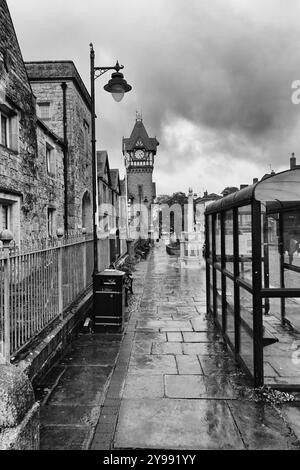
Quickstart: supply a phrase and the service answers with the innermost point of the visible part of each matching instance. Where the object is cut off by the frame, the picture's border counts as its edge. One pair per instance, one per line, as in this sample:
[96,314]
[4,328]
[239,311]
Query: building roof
[57,70]
[103,165]
[50,133]
[139,134]
[208,197]
[280,187]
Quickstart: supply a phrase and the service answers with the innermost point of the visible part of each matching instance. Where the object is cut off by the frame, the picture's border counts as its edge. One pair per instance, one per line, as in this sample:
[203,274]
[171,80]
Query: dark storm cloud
[213,78]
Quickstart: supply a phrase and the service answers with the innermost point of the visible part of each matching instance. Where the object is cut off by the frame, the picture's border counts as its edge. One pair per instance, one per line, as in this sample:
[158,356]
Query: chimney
[242,186]
[293,161]
[255,180]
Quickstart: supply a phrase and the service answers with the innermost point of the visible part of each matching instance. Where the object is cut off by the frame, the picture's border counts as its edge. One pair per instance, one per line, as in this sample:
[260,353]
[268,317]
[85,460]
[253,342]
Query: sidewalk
[73,392]
[170,384]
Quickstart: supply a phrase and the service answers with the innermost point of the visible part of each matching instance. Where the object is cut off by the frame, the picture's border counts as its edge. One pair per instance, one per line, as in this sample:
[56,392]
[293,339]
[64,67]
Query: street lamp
[117,86]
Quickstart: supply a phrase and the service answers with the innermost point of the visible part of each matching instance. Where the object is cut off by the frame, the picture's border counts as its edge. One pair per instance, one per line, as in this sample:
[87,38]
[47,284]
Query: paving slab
[218,364]
[91,379]
[203,348]
[165,325]
[152,365]
[261,426]
[150,336]
[188,365]
[166,348]
[72,415]
[142,387]
[155,424]
[203,337]
[64,438]
[175,337]
[184,386]
[292,415]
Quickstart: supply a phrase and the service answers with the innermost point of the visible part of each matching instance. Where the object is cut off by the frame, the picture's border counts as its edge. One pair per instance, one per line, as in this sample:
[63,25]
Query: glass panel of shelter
[281,270]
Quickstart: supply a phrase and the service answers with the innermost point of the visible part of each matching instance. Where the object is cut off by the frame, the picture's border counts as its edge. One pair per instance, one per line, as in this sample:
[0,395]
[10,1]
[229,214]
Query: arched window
[87,221]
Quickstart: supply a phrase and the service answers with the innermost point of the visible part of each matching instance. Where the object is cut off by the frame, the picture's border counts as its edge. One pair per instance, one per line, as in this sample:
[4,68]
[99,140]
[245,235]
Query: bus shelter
[253,276]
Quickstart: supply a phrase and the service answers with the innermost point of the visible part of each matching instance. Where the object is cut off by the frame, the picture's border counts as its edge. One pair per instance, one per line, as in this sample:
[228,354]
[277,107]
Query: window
[50,222]
[86,128]
[9,127]
[10,206]
[4,217]
[50,160]
[43,110]
[5,130]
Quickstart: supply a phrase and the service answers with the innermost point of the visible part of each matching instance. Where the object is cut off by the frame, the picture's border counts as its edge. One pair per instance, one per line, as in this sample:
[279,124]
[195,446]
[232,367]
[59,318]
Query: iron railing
[37,285]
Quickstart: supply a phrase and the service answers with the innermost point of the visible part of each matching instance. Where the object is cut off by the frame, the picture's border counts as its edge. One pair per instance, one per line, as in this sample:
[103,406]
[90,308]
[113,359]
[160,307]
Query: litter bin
[109,300]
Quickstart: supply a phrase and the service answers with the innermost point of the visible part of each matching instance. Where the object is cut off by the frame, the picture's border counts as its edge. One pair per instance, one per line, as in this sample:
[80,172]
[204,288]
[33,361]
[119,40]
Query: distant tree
[229,190]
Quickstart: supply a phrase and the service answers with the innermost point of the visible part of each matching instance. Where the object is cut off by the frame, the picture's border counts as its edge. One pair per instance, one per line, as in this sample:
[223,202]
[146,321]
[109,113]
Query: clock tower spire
[139,151]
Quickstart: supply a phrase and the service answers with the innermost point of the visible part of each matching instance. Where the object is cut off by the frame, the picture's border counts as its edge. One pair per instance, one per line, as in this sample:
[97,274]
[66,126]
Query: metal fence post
[6,237]
[60,274]
[84,258]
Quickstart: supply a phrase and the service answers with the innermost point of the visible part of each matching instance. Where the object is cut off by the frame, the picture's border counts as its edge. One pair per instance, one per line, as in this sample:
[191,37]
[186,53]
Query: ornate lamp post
[117,86]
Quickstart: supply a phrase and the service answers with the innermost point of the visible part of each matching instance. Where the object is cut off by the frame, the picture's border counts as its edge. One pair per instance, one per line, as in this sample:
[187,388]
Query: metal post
[84,258]
[282,281]
[223,266]
[6,237]
[257,298]
[60,279]
[66,158]
[236,269]
[207,250]
[6,306]
[214,272]
[94,169]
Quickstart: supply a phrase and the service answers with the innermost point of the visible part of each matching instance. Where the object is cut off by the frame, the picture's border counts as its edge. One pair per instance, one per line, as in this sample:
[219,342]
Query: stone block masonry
[19,414]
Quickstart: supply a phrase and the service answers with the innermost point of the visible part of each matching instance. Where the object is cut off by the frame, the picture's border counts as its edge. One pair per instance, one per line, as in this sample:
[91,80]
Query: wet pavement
[169,383]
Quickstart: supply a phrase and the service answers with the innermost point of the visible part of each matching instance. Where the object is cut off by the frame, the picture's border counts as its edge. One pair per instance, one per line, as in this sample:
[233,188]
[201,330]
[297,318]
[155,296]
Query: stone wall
[19,414]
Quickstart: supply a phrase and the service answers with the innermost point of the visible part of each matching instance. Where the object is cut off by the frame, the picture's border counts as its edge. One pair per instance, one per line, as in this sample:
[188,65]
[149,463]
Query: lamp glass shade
[118,95]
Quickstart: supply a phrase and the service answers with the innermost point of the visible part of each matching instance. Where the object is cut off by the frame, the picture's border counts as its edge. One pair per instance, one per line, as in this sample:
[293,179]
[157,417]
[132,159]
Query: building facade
[45,144]
[112,216]
[139,151]
[64,105]
[28,188]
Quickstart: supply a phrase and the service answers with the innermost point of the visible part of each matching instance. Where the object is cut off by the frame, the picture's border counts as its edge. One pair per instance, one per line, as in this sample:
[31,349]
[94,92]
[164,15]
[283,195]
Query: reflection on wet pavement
[169,383]
[183,389]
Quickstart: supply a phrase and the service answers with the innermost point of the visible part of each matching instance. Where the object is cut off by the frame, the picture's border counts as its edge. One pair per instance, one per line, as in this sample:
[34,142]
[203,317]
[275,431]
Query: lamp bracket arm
[98,71]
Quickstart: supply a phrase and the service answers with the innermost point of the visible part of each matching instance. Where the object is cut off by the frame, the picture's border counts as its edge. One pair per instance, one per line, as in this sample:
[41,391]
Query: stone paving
[170,383]
[73,392]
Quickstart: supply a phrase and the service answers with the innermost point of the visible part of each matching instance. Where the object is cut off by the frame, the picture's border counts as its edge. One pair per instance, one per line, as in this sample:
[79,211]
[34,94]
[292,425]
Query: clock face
[139,154]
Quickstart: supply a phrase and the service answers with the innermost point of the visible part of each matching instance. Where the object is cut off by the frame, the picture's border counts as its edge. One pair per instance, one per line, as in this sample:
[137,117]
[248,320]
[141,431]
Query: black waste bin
[109,294]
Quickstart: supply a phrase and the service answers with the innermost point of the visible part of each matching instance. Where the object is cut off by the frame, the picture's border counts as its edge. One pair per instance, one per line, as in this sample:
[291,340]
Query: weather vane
[139,115]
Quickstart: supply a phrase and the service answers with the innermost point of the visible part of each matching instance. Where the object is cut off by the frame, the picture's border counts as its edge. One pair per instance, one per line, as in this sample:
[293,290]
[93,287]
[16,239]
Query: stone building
[111,211]
[45,145]
[28,188]
[139,151]
[64,105]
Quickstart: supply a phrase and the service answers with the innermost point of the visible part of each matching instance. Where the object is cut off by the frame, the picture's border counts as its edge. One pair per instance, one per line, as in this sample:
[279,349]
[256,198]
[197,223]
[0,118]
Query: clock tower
[139,151]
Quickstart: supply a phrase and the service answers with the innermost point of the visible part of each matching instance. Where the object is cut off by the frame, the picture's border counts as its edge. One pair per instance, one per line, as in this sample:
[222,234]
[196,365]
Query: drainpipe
[66,162]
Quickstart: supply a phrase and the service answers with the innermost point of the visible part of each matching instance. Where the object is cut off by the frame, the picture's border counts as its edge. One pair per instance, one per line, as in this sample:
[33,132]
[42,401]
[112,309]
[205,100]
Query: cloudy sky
[212,78]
